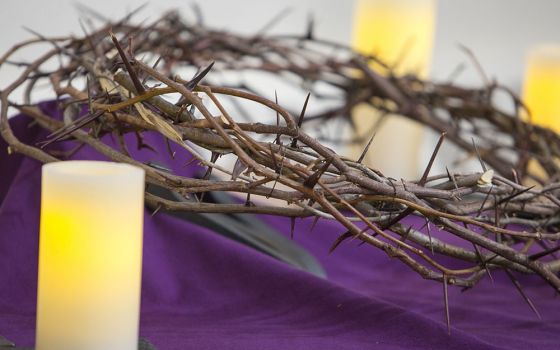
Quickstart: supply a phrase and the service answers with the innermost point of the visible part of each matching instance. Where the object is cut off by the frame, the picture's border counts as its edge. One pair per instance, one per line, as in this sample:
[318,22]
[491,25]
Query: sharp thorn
[300,119]
[478,156]
[194,81]
[364,152]
[424,178]
[158,208]
[315,220]
[525,296]
[446,304]
[131,72]
[312,180]
[339,240]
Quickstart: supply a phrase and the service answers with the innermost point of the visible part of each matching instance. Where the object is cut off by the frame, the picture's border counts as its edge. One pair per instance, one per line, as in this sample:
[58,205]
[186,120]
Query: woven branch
[124,94]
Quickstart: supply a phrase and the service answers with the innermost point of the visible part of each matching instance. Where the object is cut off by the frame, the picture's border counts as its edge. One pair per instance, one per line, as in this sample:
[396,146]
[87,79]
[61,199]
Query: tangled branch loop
[124,94]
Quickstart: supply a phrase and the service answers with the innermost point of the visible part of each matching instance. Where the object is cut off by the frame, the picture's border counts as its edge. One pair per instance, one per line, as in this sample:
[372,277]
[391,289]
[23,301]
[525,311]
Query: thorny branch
[125,94]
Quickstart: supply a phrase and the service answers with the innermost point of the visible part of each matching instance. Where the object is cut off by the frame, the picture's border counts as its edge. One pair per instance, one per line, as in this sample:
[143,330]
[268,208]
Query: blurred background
[500,33]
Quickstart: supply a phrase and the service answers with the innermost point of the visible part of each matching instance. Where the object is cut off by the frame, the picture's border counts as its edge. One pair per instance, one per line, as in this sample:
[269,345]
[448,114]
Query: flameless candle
[541,91]
[90,256]
[398,32]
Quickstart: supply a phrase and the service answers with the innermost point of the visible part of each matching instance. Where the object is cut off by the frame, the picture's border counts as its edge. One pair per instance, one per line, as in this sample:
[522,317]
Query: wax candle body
[90,256]
[541,90]
[400,32]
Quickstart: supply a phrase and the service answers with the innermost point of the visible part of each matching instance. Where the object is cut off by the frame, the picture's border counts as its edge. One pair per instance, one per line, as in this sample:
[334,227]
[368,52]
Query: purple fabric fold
[203,291]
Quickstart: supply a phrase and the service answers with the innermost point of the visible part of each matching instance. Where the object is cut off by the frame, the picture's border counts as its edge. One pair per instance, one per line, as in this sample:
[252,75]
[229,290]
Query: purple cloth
[203,291]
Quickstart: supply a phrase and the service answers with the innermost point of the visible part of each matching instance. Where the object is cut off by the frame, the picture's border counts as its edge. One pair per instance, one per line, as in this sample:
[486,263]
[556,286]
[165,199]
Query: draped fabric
[201,290]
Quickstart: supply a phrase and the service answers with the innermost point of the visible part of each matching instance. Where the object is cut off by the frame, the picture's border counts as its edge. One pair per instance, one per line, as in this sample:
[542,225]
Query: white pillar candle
[399,32]
[541,93]
[90,256]
[541,89]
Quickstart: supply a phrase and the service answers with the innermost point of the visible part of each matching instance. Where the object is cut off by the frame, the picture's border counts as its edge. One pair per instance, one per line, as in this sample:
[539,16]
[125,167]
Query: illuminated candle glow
[397,31]
[400,33]
[541,90]
[90,256]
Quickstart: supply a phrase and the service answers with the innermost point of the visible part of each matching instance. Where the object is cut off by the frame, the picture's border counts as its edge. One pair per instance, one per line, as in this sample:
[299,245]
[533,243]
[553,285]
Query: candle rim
[92,169]
[544,51]
[401,5]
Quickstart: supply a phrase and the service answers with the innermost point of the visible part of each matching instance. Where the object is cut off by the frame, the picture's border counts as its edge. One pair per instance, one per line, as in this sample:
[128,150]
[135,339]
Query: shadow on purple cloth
[203,291]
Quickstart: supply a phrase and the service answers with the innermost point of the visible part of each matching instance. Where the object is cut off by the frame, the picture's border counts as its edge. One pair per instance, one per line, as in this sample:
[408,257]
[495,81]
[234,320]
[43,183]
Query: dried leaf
[163,126]
[486,178]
